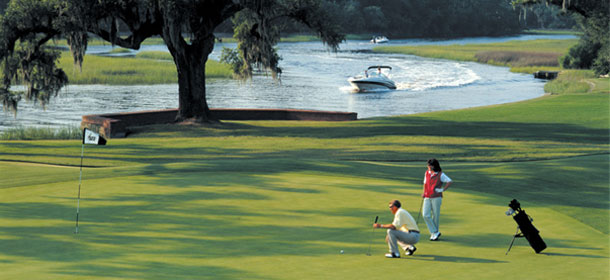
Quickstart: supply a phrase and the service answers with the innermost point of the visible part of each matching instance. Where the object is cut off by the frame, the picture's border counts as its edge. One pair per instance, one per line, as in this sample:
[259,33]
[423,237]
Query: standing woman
[433,196]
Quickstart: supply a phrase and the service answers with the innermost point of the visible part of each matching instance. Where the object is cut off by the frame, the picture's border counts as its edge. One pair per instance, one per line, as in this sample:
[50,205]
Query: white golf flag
[91,137]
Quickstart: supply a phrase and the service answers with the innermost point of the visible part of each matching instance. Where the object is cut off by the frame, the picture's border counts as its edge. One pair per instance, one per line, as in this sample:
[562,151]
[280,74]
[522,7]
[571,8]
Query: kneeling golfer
[403,230]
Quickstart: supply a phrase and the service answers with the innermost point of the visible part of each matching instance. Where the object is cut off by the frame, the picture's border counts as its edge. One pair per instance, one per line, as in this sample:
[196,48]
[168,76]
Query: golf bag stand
[517,234]
[526,229]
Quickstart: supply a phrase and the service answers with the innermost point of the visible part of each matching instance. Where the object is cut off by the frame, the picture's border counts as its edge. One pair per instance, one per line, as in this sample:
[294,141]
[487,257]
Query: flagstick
[80,177]
[89,137]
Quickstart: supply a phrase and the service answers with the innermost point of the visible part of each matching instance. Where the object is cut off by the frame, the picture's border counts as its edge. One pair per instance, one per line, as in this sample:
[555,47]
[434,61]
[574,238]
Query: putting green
[178,221]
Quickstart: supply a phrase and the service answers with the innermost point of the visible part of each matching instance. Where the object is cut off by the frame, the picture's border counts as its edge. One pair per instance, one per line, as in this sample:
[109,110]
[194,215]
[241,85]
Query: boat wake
[432,76]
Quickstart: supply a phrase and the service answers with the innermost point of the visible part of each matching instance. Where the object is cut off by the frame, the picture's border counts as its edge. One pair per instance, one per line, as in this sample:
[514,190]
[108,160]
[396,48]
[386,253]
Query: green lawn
[289,220]
[281,199]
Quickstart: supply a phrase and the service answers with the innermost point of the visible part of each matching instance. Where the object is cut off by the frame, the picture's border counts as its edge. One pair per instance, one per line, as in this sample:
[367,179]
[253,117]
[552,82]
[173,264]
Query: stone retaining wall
[117,125]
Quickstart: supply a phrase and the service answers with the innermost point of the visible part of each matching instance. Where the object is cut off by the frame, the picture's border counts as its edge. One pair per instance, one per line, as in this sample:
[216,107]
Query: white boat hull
[372,84]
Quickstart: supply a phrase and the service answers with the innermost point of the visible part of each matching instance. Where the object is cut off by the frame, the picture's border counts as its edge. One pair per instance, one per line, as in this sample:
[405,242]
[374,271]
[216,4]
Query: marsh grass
[523,55]
[299,38]
[213,68]
[41,133]
[553,32]
[157,55]
[152,68]
[358,36]
[96,41]
[518,58]
[120,50]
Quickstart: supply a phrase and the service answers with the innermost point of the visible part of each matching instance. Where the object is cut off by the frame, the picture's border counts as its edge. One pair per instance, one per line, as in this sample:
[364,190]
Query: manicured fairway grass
[280,219]
[279,200]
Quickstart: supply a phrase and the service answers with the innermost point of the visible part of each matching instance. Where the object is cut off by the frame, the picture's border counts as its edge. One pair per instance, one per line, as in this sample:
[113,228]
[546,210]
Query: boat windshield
[379,72]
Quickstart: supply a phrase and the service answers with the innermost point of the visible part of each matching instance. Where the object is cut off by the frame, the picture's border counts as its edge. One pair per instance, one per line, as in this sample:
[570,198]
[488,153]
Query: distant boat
[379,40]
[377,79]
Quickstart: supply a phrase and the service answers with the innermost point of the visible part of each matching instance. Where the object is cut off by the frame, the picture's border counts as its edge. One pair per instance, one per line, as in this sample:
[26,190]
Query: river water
[312,78]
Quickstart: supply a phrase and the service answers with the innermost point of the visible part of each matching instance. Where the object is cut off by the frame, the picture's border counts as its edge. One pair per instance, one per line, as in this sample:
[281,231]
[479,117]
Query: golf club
[419,214]
[371,241]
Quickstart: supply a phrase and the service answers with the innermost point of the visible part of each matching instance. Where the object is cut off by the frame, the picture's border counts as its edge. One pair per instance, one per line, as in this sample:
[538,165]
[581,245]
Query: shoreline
[544,94]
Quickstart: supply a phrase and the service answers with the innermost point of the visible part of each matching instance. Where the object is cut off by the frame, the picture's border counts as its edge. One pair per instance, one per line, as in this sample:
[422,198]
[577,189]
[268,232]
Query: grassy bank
[521,56]
[553,32]
[146,68]
[41,133]
[95,41]
[578,82]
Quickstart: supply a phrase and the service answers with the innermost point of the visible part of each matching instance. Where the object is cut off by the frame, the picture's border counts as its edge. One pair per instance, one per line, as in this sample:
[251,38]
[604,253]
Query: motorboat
[375,78]
[379,40]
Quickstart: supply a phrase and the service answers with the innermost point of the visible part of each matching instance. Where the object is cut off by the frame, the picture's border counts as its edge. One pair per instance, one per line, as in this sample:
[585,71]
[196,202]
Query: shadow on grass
[155,270]
[453,259]
[480,240]
[405,126]
[579,139]
[162,225]
[503,241]
[259,173]
[556,184]
[540,184]
[182,224]
[573,255]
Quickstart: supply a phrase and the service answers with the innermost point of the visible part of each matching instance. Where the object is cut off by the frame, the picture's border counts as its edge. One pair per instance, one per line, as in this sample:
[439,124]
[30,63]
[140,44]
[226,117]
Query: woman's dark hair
[436,167]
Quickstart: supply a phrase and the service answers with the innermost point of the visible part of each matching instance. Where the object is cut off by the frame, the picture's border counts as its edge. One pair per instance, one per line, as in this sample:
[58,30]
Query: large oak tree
[186,27]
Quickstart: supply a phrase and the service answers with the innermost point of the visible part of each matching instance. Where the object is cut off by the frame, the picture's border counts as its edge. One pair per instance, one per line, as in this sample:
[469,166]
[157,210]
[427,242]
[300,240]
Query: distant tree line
[432,18]
[436,18]
[429,18]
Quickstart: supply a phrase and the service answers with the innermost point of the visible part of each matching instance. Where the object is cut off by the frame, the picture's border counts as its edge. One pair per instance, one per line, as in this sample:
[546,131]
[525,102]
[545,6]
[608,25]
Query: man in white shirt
[403,230]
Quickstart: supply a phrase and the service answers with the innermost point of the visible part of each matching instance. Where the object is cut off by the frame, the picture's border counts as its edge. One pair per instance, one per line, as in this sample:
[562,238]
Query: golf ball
[341,251]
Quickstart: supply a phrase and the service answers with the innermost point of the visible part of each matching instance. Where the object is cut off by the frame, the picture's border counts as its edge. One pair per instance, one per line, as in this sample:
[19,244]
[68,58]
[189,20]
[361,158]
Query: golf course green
[282,199]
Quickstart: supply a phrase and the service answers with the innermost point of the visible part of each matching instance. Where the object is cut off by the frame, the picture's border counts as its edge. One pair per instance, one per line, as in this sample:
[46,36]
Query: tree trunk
[190,62]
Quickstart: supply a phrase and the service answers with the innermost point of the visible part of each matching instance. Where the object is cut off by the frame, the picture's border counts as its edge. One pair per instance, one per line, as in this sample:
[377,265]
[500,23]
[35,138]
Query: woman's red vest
[433,181]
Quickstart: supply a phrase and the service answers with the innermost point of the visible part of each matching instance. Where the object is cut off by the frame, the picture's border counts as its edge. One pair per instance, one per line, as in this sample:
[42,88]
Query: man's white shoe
[390,255]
